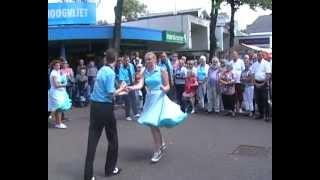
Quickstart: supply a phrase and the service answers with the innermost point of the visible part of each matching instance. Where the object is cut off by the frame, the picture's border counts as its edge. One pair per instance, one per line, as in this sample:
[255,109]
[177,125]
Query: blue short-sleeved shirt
[124,73]
[202,72]
[163,66]
[104,85]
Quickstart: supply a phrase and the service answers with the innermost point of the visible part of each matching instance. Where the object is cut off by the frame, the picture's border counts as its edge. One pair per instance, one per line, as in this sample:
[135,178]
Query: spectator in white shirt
[270,84]
[261,71]
[135,60]
[237,68]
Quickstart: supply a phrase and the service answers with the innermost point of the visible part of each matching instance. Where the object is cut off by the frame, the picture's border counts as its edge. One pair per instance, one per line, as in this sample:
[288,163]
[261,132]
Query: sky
[244,15]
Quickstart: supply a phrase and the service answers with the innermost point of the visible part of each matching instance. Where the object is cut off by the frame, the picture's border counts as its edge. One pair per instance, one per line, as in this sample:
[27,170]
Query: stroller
[82,93]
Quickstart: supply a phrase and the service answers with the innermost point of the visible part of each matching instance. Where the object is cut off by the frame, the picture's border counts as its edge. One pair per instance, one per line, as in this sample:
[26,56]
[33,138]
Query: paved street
[199,149]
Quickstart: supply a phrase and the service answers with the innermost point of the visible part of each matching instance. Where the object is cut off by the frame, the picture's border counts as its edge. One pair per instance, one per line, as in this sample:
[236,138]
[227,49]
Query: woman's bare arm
[165,77]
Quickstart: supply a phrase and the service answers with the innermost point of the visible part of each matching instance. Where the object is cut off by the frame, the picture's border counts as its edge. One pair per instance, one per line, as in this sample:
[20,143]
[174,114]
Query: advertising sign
[71,13]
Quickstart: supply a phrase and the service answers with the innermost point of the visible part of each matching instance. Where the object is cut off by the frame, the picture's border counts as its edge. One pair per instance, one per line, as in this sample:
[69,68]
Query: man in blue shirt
[127,76]
[102,116]
[166,64]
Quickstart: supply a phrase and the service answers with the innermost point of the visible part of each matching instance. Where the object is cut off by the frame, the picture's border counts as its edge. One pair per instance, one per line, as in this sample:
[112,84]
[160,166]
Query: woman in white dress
[58,99]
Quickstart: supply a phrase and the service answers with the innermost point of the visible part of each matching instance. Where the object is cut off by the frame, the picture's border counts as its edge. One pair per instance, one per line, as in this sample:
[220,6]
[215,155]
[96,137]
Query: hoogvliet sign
[71,13]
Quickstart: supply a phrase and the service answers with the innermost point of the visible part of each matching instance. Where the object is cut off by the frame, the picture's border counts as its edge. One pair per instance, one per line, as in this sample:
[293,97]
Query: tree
[235,4]
[130,9]
[117,25]
[133,9]
[264,4]
[215,5]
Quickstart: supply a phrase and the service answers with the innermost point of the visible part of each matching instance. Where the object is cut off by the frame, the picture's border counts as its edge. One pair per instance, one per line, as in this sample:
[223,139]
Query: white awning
[268,50]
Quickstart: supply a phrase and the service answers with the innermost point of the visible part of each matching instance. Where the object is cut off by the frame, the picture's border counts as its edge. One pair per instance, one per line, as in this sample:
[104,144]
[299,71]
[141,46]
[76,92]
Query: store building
[73,33]
[194,23]
[259,33]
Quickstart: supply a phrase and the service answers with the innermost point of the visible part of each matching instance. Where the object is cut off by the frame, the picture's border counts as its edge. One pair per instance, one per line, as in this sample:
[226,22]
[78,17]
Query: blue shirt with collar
[163,66]
[104,85]
[124,73]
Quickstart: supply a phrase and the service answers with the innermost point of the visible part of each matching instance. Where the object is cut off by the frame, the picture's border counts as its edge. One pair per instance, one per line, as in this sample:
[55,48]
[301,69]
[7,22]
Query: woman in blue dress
[58,99]
[158,110]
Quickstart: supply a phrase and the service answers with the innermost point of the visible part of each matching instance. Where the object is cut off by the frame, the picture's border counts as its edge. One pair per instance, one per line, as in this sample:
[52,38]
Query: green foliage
[133,8]
[264,4]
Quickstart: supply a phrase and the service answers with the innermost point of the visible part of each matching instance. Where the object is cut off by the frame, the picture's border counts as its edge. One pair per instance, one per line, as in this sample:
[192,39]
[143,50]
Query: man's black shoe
[259,117]
[92,178]
[116,171]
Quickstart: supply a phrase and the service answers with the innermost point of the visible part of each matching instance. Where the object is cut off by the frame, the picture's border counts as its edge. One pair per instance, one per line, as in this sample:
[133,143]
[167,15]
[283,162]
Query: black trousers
[171,93]
[70,91]
[144,92]
[261,98]
[101,116]
[179,92]
[228,101]
[91,80]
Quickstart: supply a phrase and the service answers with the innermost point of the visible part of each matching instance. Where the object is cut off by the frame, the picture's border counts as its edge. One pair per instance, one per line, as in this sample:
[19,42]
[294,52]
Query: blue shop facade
[74,34]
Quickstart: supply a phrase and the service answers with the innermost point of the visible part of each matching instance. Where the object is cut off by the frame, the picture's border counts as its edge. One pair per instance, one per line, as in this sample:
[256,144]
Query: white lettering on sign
[172,37]
[67,13]
[58,13]
[85,12]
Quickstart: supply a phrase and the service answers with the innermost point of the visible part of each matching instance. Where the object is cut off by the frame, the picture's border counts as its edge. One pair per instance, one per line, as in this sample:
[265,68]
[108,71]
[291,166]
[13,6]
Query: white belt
[152,91]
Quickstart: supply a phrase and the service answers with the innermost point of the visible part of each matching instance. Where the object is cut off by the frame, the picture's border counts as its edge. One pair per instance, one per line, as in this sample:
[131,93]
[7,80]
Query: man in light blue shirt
[166,64]
[102,116]
[127,75]
[104,85]
[202,76]
[125,68]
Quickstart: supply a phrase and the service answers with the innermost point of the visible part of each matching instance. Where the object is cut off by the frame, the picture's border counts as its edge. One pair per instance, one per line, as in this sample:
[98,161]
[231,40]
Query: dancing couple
[158,111]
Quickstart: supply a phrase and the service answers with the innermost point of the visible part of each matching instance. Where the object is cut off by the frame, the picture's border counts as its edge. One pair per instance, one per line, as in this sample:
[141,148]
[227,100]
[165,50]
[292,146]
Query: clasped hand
[125,88]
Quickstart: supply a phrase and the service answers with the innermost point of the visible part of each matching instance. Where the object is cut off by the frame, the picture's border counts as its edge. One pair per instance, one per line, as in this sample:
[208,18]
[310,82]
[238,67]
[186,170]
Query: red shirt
[191,84]
[67,71]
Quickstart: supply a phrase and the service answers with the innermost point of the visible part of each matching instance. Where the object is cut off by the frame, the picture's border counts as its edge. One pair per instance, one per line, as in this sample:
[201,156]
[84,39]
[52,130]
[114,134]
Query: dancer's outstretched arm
[137,86]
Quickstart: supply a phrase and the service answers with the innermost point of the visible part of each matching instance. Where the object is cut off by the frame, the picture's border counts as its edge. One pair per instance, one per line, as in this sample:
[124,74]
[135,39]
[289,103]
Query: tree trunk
[231,30]
[213,24]
[117,25]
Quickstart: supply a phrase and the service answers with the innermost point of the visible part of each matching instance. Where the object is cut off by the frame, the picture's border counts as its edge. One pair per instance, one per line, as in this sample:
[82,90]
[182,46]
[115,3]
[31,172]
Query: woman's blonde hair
[152,54]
